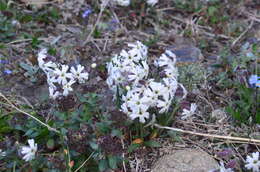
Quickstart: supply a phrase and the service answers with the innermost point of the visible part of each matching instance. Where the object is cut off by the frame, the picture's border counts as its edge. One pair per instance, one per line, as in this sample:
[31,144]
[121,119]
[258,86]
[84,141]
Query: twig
[84,162]
[206,100]
[103,6]
[242,34]
[202,27]
[165,9]
[25,113]
[250,141]
[24,40]
[123,155]
[32,2]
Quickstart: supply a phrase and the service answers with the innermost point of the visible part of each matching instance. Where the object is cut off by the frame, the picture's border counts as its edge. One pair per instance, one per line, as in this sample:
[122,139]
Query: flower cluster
[151,94]
[129,67]
[130,70]
[127,2]
[60,77]
[29,151]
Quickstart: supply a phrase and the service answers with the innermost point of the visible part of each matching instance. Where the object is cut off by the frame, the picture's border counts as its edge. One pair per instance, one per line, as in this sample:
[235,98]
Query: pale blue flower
[3,61]
[254,80]
[7,72]
[86,13]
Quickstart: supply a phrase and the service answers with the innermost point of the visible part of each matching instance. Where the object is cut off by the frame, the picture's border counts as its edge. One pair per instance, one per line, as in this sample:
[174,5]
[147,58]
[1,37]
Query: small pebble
[93,65]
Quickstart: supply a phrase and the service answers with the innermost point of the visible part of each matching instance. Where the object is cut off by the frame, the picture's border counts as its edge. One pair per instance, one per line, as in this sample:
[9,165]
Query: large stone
[189,160]
[186,53]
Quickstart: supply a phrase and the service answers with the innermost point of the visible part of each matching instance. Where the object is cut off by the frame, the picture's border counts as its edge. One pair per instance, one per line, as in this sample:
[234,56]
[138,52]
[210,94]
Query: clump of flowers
[128,68]
[128,73]
[60,78]
[29,151]
[253,162]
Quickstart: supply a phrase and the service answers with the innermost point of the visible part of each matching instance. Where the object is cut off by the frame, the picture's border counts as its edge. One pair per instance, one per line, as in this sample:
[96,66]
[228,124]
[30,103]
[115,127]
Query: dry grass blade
[248,140]
[29,115]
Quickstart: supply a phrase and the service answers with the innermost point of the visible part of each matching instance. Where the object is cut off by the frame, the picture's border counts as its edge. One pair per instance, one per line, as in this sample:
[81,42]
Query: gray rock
[186,54]
[189,160]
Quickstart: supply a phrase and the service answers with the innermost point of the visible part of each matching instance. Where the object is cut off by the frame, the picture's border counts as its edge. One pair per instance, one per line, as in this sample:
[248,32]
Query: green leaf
[102,127]
[50,144]
[116,132]
[152,143]
[212,10]
[3,6]
[112,161]
[29,132]
[133,147]
[93,145]
[258,117]
[102,165]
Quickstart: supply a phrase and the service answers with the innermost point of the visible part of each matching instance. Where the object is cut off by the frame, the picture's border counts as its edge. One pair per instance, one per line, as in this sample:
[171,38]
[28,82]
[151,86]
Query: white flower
[136,75]
[67,87]
[145,68]
[29,151]
[140,113]
[171,84]
[42,54]
[53,93]
[51,80]
[151,2]
[126,56]
[223,169]
[253,162]
[47,67]
[166,59]
[62,74]
[150,96]
[123,2]
[79,74]
[117,77]
[164,105]
[2,153]
[136,55]
[136,102]
[124,109]
[188,113]
[171,71]
[141,48]
[158,88]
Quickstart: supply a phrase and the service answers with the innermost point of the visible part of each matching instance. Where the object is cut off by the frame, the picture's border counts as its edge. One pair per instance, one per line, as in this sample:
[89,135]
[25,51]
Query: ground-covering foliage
[90,85]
